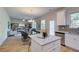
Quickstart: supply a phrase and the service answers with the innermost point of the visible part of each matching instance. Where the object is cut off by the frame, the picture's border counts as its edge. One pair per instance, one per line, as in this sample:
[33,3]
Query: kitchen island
[48,44]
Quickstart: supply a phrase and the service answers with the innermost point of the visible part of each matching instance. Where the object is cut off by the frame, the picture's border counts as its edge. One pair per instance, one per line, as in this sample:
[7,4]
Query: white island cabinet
[49,44]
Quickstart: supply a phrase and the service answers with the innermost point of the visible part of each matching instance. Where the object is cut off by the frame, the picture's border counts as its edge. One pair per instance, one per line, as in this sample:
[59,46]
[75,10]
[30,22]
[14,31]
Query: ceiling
[28,12]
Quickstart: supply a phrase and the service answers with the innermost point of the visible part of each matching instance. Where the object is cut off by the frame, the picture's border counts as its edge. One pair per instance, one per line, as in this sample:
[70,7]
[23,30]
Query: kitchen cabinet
[50,47]
[61,17]
[49,44]
[72,40]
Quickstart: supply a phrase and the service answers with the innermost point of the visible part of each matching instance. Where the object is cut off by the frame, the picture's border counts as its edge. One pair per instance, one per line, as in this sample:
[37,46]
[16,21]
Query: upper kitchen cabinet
[61,17]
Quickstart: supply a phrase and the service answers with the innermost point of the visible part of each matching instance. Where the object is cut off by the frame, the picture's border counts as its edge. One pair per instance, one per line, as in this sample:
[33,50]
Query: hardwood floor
[14,44]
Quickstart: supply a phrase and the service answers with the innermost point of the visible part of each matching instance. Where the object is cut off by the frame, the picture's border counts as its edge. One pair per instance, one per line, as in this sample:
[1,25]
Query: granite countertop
[38,38]
[73,33]
[62,31]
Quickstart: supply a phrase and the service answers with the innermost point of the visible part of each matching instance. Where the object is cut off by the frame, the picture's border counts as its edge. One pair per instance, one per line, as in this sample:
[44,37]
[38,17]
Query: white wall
[4,18]
[50,16]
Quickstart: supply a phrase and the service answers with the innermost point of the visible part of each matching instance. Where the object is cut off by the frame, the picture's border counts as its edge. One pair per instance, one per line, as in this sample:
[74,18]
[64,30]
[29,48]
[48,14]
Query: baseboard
[2,39]
[75,50]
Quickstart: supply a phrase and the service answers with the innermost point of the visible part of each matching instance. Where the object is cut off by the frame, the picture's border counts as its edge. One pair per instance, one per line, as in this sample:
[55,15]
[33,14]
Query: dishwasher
[62,35]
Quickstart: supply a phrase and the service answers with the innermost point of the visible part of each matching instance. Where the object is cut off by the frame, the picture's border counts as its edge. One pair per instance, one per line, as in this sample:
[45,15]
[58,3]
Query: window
[42,24]
[33,24]
[74,20]
[21,24]
[30,20]
[52,27]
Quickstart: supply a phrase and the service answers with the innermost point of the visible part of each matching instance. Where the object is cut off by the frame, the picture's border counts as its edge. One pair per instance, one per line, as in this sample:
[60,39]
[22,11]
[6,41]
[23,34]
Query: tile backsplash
[63,27]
